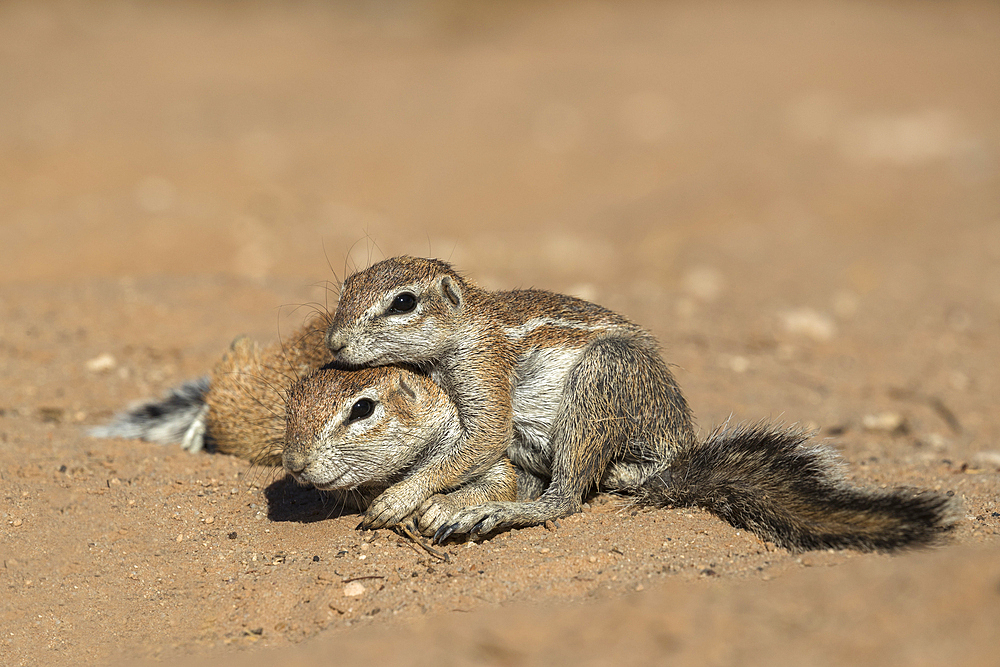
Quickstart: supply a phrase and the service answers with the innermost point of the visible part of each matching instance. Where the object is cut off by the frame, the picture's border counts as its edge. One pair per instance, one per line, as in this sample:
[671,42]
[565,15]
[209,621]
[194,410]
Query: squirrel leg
[529,485]
[499,483]
[620,414]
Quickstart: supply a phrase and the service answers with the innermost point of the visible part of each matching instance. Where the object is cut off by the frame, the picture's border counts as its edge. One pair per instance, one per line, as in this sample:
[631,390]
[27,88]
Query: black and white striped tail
[178,417]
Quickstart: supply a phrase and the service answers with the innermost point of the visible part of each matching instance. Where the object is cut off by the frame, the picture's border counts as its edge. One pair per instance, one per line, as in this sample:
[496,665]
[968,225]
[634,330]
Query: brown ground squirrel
[359,433]
[578,397]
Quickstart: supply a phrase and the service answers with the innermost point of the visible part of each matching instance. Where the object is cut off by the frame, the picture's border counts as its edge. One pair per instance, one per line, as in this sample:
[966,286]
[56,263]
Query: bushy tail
[770,481]
[178,417]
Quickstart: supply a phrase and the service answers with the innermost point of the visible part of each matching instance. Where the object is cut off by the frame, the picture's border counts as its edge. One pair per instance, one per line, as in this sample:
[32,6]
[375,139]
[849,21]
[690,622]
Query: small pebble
[885,422]
[809,323]
[99,364]
[354,589]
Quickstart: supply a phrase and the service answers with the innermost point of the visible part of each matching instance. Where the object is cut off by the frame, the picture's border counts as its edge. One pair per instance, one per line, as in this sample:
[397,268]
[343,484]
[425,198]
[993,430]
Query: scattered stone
[704,283]
[809,323]
[354,589]
[101,363]
[737,364]
[886,422]
[845,304]
[987,459]
[936,442]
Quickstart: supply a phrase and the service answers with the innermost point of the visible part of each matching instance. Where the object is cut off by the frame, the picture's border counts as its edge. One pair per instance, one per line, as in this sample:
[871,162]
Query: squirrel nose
[335,342]
[294,461]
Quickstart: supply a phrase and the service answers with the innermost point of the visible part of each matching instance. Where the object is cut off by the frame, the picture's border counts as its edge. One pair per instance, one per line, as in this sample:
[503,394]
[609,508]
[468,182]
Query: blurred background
[770,177]
[574,140]
[800,199]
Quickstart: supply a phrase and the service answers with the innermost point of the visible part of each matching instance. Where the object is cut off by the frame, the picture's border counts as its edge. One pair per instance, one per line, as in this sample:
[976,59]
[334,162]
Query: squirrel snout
[294,461]
[335,342]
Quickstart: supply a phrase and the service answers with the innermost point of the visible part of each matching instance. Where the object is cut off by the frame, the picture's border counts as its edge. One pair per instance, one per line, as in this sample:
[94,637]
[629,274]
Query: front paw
[389,509]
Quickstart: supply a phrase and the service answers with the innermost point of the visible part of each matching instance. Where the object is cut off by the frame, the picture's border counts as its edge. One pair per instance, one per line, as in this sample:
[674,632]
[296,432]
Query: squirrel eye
[361,409]
[403,303]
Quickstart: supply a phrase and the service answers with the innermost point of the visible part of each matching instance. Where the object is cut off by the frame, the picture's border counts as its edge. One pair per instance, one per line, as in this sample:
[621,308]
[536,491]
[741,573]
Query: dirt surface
[801,200]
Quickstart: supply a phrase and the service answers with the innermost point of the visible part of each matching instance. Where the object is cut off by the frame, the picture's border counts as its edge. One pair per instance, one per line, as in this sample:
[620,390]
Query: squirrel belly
[771,482]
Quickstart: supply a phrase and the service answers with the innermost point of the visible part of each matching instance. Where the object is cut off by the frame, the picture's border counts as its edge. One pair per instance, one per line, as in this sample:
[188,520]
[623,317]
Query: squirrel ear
[452,292]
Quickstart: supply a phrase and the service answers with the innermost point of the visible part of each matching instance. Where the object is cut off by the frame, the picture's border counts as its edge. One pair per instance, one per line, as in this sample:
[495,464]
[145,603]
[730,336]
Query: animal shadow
[289,501]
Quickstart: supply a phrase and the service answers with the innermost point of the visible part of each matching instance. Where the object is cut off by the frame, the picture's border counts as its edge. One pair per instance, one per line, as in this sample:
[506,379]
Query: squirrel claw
[443,533]
[478,527]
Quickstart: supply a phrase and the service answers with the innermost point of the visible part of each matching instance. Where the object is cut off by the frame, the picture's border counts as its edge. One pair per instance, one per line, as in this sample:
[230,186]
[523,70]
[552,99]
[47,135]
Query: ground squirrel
[579,398]
[242,407]
[361,432]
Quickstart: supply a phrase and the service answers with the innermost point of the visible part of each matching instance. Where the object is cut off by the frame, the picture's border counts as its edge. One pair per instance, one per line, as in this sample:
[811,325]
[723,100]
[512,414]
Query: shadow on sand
[288,501]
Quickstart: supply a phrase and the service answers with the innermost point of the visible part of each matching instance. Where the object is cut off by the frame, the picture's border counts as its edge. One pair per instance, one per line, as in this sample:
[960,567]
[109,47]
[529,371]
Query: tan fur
[366,456]
[246,395]
[281,405]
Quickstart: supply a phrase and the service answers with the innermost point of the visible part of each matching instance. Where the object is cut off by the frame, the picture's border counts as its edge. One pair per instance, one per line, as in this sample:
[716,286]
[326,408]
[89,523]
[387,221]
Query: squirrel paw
[478,520]
[390,508]
[437,511]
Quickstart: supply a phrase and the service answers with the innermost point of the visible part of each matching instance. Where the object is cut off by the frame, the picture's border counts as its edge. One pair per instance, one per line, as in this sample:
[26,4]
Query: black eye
[361,409]
[403,303]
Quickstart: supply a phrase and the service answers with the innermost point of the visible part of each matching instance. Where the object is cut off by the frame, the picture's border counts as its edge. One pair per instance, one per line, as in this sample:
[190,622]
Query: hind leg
[619,413]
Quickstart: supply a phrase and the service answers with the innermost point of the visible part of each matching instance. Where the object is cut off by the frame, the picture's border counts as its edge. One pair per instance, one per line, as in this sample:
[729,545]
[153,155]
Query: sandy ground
[801,200]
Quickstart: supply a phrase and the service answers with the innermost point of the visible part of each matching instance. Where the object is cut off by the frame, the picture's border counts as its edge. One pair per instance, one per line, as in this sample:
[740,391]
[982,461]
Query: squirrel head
[400,310]
[345,429]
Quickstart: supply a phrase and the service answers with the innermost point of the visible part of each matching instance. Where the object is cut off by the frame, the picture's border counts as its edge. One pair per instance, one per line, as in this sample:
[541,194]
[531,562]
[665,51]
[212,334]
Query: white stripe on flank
[524,330]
